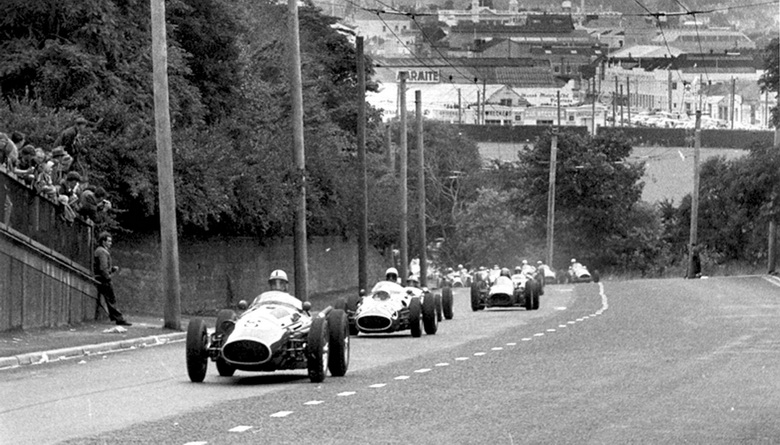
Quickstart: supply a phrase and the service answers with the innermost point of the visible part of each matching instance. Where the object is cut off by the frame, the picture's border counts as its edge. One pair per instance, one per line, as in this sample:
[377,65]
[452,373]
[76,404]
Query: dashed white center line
[460,359]
[202,442]
[511,344]
[551,330]
[561,325]
[422,370]
[377,385]
[240,428]
[539,334]
[402,377]
[586,317]
[560,308]
[346,393]
[570,322]
[526,339]
[497,348]
[281,414]
[442,364]
[580,319]
[314,402]
[479,353]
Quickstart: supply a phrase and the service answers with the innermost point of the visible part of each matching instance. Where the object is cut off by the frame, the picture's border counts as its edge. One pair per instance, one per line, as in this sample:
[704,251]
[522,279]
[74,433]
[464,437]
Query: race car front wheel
[446,302]
[430,322]
[415,317]
[197,350]
[338,357]
[317,350]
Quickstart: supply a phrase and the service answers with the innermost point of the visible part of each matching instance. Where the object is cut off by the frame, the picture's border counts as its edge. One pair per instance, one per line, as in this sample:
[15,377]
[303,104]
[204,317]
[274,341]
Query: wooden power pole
[551,199]
[301,254]
[403,232]
[361,142]
[421,189]
[695,197]
[162,124]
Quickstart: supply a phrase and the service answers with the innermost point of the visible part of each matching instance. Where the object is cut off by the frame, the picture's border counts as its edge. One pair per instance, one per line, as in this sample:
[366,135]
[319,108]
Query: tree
[770,80]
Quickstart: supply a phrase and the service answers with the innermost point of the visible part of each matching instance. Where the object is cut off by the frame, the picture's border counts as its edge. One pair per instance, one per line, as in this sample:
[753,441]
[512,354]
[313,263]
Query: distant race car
[276,332]
[519,290]
[390,307]
[578,273]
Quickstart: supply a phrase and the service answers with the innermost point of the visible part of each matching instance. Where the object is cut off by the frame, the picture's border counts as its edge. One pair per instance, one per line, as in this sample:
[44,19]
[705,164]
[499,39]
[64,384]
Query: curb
[36,358]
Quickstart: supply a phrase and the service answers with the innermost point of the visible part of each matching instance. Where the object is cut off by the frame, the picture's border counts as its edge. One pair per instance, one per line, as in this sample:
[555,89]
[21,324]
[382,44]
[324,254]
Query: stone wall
[218,273]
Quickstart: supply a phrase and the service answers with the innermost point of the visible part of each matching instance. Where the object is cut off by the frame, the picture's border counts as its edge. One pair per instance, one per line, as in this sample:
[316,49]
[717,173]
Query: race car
[506,291]
[390,307]
[277,332]
[578,273]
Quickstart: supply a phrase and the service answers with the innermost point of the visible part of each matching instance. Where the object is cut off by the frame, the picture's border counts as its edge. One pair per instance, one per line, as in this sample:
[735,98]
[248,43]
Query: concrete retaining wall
[218,273]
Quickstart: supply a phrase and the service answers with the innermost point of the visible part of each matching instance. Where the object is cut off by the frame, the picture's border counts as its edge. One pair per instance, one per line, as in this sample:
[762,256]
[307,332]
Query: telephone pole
[551,199]
[169,246]
[301,253]
[402,233]
[361,143]
[695,198]
[421,189]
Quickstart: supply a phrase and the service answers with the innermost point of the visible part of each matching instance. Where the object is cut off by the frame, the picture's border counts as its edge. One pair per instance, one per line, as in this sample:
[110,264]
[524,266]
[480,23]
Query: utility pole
[421,190]
[615,99]
[669,89]
[551,198]
[361,143]
[733,100]
[628,99]
[772,247]
[301,253]
[594,96]
[558,96]
[169,247]
[622,99]
[402,233]
[484,100]
[460,109]
[695,197]
[479,103]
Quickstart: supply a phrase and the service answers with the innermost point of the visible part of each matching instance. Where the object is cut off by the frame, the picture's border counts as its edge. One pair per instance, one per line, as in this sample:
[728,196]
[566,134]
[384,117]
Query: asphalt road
[656,361]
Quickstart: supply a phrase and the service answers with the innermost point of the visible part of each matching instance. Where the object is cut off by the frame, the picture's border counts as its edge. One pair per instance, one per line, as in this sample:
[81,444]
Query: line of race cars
[279,332]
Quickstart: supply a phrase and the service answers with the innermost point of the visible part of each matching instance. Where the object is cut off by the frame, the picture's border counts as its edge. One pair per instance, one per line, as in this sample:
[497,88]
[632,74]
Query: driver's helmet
[539,263]
[505,272]
[573,261]
[525,262]
[460,266]
[413,281]
[449,270]
[278,280]
[495,267]
[518,269]
[391,274]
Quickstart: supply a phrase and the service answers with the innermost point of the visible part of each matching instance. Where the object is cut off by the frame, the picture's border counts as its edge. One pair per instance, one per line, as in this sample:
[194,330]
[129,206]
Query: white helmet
[460,266]
[413,279]
[573,260]
[525,262]
[391,271]
[278,274]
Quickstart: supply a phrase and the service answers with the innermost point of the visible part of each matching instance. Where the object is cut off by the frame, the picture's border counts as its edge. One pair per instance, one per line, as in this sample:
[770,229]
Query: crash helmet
[449,270]
[460,266]
[278,280]
[413,281]
[505,272]
[518,269]
[525,262]
[539,263]
[391,274]
[573,261]
[495,267]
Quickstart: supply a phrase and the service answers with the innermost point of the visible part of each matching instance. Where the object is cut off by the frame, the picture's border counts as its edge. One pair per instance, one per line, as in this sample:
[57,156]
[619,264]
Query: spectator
[25,169]
[69,188]
[62,162]
[92,203]
[104,270]
[18,138]
[43,180]
[6,147]
[70,139]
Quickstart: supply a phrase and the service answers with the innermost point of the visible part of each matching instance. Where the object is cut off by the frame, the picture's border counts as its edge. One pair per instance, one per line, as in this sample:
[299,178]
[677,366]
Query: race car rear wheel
[536,301]
[475,304]
[595,276]
[197,350]
[415,317]
[439,308]
[317,349]
[446,302]
[338,357]
[528,294]
[430,321]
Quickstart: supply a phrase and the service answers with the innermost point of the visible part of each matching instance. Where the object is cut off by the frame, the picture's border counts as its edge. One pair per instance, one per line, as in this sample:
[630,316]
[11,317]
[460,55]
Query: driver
[413,281]
[278,294]
[392,275]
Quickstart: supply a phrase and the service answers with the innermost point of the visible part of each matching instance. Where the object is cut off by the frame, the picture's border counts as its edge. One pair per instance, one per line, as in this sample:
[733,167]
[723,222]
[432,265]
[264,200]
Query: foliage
[770,80]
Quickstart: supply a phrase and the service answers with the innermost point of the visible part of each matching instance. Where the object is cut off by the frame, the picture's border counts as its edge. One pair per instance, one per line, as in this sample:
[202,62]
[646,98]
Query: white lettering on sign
[426,76]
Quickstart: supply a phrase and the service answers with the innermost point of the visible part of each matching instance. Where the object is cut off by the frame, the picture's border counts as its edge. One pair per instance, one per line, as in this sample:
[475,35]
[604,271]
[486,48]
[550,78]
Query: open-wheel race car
[277,332]
[521,289]
[578,273]
[390,307]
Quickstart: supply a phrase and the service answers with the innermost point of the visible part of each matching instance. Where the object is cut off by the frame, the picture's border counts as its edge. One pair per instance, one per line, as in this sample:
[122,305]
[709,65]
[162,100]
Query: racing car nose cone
[373,323]
[246,351]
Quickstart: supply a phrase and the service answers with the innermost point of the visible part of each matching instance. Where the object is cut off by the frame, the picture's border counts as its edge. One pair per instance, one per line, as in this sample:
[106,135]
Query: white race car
[390,307]
[578,273]
[276,332]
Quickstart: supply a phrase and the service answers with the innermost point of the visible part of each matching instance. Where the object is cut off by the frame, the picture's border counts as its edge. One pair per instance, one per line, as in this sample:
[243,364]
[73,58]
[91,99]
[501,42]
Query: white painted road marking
[314,402]
[511,344]
[539,334]
[402,377]
[460,359]
[346,393]
[479,354]
[240,429]
[377,385]
[422,370]
[281,414]
[442,364]
[497,348]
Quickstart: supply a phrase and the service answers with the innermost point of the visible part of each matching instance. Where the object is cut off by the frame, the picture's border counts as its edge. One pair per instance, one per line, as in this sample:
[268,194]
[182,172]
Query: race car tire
[338,356]
[446,303]
[352,303]
[415,317]
[595,276]
[317,349]
[536,301]
[197,350]
[528,296]
[340,304]
[475,303]
[430,320]
[222,328]
[439,308]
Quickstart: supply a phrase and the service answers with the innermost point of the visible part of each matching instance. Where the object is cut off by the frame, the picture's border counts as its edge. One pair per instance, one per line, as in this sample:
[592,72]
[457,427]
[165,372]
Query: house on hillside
[388,35]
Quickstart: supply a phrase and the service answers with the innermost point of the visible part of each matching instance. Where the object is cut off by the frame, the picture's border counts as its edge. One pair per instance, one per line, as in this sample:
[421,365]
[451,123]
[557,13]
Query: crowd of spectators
[58,174]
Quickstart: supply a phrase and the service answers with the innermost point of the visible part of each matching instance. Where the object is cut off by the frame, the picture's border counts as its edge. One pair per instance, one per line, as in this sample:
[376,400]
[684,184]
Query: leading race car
[390,307]
[506,291]
[276,332]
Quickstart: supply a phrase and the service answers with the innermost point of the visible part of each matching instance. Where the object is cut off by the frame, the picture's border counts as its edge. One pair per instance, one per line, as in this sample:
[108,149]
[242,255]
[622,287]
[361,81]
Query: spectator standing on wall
[70,139]
[69,188]
[93,203]
[62,162]
[25,170]
[104,270]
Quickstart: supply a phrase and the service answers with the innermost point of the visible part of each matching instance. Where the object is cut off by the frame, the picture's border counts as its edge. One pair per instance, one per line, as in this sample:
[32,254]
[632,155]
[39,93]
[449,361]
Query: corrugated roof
[645,52]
